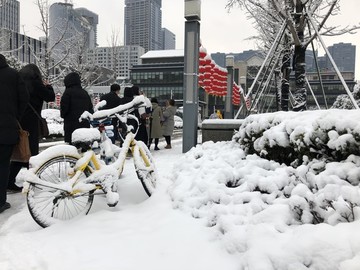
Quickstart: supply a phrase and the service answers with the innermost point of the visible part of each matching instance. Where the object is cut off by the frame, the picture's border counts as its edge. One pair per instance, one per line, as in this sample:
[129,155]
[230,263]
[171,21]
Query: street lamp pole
[191,66]
[229,108]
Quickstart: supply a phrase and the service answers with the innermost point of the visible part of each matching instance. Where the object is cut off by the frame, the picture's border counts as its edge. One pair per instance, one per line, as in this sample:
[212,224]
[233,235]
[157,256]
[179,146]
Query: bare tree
[115,45]
[78,61]
[49,60]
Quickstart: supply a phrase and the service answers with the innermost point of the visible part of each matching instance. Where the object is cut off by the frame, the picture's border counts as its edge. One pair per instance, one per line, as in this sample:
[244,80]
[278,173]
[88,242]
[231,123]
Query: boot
[168,146]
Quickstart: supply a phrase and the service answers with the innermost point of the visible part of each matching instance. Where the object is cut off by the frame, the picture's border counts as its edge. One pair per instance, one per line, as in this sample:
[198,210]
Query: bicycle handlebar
[121,109]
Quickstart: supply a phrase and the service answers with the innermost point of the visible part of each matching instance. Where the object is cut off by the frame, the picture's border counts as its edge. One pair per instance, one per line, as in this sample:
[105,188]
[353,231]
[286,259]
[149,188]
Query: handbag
[21,151]
[43,126]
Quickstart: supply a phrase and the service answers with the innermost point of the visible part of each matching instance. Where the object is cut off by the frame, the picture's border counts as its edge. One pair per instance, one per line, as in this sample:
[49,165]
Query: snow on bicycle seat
[85,137]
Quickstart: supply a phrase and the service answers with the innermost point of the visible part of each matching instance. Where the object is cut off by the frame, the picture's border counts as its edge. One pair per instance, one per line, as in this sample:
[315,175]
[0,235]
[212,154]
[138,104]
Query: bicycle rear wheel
[48,205]
[145,167]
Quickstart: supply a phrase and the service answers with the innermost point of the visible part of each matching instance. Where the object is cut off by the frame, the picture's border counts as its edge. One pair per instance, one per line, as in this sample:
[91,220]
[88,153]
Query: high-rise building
[72,29]
[343,55]
[142,24]
[118,58]
[10,15]
[169,39]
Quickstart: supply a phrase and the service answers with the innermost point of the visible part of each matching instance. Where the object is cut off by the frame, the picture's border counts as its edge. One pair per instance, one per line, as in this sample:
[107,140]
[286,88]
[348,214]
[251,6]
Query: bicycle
[62,180]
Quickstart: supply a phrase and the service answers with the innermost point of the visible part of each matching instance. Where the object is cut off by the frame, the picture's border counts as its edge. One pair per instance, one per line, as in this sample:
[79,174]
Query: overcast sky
[220,31]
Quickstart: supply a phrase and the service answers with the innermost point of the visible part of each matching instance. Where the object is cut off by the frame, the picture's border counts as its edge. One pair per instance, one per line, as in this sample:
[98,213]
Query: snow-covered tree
[304,18]
[66,51]
[49,61]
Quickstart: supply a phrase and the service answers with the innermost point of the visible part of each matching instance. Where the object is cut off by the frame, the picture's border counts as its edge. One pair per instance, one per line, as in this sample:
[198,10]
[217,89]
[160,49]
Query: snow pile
[272,215]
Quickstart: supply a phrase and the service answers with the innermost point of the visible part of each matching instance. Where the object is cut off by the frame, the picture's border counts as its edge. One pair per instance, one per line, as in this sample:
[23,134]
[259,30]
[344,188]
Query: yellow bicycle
[62,180]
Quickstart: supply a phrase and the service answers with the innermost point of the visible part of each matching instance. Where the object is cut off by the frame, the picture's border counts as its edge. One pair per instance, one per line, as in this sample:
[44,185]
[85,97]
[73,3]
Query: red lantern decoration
[57,99]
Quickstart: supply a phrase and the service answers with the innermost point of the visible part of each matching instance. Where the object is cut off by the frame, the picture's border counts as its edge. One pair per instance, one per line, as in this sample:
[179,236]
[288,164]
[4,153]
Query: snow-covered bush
[344,102]
[237,189]
[234,187]
[55,122]
[178,122]
[289,137]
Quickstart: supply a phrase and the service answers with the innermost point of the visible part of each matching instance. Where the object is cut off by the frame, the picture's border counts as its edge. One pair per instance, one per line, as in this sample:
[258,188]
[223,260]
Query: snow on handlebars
[138,101]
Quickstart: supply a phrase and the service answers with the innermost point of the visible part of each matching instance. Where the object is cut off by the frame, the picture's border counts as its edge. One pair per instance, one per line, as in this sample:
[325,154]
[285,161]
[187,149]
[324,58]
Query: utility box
[219,129]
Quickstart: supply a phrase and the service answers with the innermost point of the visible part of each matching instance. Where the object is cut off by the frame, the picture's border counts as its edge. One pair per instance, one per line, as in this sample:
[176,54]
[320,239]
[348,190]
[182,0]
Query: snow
[163,54]
[215,207]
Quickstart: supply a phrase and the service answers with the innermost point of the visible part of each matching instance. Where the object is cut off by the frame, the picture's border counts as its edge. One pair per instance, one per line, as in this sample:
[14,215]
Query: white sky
[220,31]
[194,221]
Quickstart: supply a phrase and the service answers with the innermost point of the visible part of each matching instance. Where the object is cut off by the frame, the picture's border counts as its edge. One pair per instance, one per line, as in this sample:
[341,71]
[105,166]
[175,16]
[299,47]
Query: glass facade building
[161,75]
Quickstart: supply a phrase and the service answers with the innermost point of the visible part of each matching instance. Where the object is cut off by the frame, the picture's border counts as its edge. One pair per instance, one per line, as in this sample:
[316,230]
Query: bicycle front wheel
[49,205]
[145,167]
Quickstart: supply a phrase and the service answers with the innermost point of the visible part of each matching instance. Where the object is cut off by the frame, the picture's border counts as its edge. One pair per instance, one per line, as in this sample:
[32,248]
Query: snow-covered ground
[215,208]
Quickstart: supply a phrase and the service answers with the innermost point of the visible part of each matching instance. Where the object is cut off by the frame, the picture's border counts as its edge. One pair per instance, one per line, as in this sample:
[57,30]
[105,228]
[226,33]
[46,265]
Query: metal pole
[333,63]
[191,66]
[312,93]
[270,52]
[229,108]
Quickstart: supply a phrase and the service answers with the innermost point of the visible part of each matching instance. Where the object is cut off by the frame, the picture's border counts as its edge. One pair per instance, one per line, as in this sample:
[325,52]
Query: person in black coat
[142,134]
[128,97]
[39,92]
[112,100]
[13,102]
[74,102]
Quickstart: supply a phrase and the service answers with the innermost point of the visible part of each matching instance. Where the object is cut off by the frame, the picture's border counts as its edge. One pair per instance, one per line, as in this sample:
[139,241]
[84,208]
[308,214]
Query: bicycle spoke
[48,205]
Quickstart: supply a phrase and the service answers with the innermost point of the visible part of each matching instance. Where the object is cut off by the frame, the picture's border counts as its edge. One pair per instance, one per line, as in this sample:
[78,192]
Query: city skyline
[220,33]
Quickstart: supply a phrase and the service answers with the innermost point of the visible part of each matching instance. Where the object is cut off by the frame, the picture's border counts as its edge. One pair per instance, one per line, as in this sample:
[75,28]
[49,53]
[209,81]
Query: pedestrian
[168,124]
[155,123]
[13,102]
[113,100]
[132,123]
[39,91]
[74,102]
[148,110]
[142,134]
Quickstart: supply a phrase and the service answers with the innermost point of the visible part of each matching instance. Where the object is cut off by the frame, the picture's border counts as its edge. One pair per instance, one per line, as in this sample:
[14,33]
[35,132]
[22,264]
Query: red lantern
[58,99]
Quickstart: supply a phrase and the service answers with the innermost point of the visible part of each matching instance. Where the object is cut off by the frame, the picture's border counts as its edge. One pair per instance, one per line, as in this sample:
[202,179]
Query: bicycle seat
[83,138]
[95,123]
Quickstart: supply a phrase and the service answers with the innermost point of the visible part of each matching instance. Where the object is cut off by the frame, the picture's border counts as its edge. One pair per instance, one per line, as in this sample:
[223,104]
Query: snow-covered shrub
[344,102]
[55,122]
[288,137]
[230,190]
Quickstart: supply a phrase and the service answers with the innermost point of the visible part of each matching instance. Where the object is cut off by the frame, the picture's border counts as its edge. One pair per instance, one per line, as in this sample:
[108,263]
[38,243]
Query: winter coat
[168,124]
[38,94]
[156,118]
[128,97]
[74,102]
[112,100]
[13,102]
